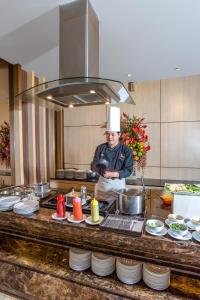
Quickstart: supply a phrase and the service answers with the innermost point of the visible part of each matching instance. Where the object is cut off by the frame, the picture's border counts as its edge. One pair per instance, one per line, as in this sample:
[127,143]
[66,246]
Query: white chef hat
[113,119]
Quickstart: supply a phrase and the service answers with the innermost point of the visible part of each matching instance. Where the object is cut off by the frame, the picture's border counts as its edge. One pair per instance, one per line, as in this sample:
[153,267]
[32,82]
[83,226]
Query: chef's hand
[108,174]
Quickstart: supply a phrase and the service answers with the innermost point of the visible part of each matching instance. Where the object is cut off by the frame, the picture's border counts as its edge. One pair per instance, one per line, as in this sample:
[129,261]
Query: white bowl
[179,229]
[176,218]
[155,225]
[195,220]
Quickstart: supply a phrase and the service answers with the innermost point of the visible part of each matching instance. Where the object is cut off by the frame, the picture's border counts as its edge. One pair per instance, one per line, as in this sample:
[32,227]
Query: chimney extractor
[78,65]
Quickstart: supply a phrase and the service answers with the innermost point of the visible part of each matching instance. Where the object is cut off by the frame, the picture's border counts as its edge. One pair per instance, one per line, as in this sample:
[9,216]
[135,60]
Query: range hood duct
[79,83]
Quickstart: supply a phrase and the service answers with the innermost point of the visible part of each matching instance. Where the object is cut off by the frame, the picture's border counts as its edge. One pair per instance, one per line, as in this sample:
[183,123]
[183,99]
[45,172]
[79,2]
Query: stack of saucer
[102,264]
[156,277]
[7,203]
[128,271]
[26,207]
[79,259]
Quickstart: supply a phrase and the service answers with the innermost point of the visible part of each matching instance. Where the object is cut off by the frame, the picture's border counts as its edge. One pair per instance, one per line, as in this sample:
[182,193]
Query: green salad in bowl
[179,229]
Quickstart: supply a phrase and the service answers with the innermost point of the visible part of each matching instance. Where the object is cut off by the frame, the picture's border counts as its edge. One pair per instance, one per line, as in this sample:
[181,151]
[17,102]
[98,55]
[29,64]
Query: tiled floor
[6,297]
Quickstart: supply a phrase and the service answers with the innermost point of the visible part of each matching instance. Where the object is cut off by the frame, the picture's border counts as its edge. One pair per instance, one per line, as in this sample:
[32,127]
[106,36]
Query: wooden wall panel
[147,99]
[4,82]
[34,135]
[80,144]
[82,116]
[180,145]
[180,99]
[17,158]
[180,173]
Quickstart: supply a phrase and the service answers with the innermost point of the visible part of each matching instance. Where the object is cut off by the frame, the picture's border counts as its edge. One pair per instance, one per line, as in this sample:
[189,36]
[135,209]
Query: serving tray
[133,225]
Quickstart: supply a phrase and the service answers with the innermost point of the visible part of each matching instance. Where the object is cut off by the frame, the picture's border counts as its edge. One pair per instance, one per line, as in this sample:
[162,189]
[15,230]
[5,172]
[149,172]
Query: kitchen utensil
[92,175]
[131,201]
[41,188]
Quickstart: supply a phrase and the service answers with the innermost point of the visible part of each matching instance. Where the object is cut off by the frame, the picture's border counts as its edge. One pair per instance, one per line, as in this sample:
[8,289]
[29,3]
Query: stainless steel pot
[131,201]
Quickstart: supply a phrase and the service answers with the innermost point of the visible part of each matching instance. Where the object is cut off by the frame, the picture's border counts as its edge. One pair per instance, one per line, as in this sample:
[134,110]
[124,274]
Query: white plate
[161,233]
[90,222]
[196,236]
[55,217]
[192,226]
[186,237]
[71,219]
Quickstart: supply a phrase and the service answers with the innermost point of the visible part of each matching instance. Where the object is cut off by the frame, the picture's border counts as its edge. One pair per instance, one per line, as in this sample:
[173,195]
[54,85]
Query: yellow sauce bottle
[94,210]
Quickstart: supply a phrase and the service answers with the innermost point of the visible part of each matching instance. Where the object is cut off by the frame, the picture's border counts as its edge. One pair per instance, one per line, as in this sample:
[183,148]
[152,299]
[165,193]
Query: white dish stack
[156,277]
[128,271]
[102,265]
[27,207]
[79,259]
[7,203]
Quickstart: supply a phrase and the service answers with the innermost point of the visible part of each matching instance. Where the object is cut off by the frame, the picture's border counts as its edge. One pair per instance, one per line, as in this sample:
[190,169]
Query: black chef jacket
[120,158]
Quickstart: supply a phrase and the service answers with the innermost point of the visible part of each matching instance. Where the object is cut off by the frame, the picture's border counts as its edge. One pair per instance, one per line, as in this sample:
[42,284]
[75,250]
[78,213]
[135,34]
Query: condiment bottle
[77,209]
[95,210]
[83,194]
[61,206]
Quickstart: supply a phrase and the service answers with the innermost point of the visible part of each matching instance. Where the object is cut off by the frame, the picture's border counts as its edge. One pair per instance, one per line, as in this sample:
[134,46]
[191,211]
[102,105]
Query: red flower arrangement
[5,144]
[134,136]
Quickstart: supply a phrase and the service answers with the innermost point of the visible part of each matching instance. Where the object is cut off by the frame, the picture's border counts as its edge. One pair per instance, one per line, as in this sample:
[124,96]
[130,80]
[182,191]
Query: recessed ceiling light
[129,75]
[71,106]
[177,69]
[92,92]
[49,97]
[107,102]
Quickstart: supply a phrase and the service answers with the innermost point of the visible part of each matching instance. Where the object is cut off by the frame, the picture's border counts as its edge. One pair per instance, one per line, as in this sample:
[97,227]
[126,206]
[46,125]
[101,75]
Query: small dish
[195,220]
[155,225]
[89,221]
[186,237]
[179,229]
[176,218]
[71,219]
[196,236]
[55,217]
[160,233]
[192,226]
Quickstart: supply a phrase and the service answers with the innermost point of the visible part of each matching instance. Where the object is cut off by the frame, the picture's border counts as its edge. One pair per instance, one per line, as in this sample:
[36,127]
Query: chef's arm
[96,157]
[128,166]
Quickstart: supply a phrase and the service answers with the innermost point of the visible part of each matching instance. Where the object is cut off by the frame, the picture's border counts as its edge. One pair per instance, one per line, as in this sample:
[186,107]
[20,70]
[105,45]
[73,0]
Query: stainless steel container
[131,201]
[41,188]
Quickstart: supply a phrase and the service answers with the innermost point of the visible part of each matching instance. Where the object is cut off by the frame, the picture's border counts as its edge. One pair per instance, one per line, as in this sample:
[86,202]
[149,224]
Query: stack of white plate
[128,271]
[26,207]
[7,203]
[79,259]
[156,277]
[102,265]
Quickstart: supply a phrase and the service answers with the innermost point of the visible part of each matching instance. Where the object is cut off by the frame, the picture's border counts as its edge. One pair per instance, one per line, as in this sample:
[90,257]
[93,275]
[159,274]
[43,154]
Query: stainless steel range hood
[78,65]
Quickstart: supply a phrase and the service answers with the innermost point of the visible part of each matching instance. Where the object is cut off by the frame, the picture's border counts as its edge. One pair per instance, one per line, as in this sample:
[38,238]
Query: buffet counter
[36,250]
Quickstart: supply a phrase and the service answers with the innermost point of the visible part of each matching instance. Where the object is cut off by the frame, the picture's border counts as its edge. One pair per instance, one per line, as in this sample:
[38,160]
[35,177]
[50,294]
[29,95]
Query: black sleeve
[128,165]
[97,156]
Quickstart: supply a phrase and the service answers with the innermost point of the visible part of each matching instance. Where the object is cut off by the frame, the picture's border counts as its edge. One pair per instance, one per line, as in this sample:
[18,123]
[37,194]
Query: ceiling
[145,38]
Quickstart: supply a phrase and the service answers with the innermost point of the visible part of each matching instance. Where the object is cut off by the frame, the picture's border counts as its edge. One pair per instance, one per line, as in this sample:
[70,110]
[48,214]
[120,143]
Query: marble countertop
[42,272]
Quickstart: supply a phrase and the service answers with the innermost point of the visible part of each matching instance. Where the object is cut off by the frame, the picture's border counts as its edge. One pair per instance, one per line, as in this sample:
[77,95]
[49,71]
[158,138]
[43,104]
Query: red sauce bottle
[61,206]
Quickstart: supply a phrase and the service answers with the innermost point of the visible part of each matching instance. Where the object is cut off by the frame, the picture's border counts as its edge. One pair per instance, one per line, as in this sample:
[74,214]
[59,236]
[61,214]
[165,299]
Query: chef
[118,156]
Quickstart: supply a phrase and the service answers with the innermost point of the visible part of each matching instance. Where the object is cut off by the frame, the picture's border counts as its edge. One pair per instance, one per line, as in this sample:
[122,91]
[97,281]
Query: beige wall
[171,109]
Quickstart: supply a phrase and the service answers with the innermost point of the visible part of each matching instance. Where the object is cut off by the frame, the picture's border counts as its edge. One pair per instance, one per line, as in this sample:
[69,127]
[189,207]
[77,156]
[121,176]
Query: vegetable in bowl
[178,228]
[155,225]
